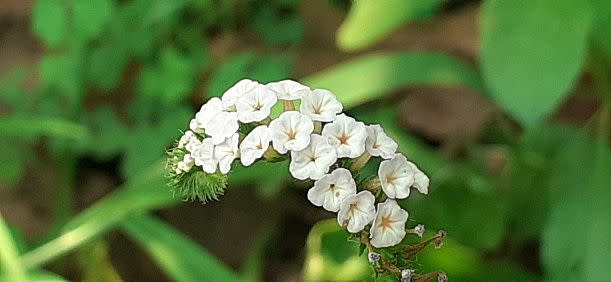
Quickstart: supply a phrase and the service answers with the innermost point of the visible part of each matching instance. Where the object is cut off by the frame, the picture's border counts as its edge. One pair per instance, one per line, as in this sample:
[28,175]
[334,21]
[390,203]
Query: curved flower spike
[313,161]
[356,211]
[222,126]
[255,105]
[226,152]
[378,143]
[320,105]
[288,89]
[291,131]
[388,228]
[332,189]
[231,96]
[203,154]
[347,135]
[396,177]
[254,145]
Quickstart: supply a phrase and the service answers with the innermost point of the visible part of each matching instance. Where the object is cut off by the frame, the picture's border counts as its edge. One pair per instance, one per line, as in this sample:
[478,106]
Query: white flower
[226,152]
[320,105]
[255,105]
[378,143]
[347,136]
[288,89]
[208,111]
[195,126]
[222,126]
[203,154]
[238,90]
[291,131]
[356,211]
[254,145]
[330,190]
[186,164]
[313,161]
[388,228]
[421,181]
[186,138]
[396,176]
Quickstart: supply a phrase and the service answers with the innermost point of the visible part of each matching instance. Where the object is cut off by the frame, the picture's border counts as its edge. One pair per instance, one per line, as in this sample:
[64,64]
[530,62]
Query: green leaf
[106,65]
[532,52]
[278,28]
[248,65]
[602,25]
[576,235]
[49,22]
[109,135]
[9,254]
[181,258]
[90,17]
[28,126]
[144,192]
[367,78]
[148,142]
[369,20]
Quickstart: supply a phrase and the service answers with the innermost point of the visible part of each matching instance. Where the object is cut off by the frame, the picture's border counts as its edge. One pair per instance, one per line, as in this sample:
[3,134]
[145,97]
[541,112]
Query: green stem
[9,256]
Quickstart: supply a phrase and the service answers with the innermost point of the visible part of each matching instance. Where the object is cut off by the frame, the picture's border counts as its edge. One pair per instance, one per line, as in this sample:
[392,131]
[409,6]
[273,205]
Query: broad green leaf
[106,63]
[331,257]
[89,17]
[532,52]
[248,65]
[9,254]
[148,142]
[370,20]
[369,77]
[38,276]
[530,165]
[576,235]
[602,25]
[144,192]
[49,22]
[180,257]
[109,135]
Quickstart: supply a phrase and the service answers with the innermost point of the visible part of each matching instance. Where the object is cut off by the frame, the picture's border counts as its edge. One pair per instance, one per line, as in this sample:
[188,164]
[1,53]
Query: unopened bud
[406,275]
[439,238]
[373,257]
[418,230]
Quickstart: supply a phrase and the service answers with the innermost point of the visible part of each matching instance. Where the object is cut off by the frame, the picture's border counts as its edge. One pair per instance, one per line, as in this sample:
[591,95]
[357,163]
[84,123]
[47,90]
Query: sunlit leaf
[9,254]
[532,53]
[368,77]
[369,20]
[144,192]
[181,258]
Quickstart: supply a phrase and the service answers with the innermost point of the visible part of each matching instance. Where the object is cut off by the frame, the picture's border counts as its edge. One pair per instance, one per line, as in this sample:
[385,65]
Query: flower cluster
[323,144]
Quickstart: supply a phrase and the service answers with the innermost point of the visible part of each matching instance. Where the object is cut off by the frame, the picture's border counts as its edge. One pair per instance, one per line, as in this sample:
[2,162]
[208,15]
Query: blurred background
[504,104]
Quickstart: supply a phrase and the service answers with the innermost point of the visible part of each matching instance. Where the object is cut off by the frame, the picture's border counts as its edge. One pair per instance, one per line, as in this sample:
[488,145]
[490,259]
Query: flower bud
[373,257]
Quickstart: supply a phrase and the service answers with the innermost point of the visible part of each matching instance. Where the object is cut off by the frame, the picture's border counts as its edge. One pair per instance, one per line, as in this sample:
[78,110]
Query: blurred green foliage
[120,79]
